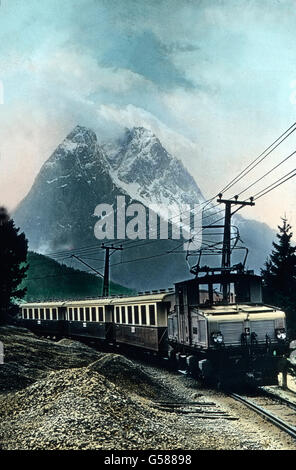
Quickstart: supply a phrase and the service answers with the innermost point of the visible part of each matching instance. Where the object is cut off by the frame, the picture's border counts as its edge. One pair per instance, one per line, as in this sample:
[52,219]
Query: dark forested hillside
[47,279]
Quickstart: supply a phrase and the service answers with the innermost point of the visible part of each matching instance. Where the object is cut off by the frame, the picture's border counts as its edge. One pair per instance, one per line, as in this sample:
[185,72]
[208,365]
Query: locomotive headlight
[217,338]
[281,334]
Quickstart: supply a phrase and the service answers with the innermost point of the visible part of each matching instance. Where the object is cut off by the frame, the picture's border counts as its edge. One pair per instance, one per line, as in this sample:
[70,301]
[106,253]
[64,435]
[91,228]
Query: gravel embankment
[66,395]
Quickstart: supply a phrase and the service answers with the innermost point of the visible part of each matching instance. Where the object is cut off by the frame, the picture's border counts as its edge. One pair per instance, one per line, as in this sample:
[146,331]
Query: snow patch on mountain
[141,166]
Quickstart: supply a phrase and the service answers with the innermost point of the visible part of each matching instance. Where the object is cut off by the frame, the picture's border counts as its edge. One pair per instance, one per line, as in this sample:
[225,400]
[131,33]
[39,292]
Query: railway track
[281,399]
[266,414]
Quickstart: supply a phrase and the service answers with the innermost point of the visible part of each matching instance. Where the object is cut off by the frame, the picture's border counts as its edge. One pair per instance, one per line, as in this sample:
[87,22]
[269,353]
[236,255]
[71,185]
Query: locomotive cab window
[152,318]
[143,315]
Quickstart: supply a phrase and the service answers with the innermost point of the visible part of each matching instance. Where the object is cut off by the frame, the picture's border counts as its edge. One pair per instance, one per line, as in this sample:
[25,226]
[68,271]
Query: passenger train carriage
[44,317]
[139,321]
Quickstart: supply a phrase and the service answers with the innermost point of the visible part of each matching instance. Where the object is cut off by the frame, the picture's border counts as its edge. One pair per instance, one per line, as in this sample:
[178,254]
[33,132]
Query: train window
[87,314]
[123,315]
[35,313]
[152,314]
[93,314]
[117,315]
[101,314]
[136,312]
[30,313]
[70,314]
[81,314]
[75,314]
[24,313]
[143,315]
[54,314]
[47,313]
[42,313]
[129,314]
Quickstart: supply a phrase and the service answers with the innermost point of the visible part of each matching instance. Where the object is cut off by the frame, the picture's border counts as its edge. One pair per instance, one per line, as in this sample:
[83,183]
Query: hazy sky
[213,79]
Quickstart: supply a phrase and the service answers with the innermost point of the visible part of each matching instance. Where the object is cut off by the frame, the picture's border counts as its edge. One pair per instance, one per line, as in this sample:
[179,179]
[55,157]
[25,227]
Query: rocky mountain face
[58,212]
[143,167]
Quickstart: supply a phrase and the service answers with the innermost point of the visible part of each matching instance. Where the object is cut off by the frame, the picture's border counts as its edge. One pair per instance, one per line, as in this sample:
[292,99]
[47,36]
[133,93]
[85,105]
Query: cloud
[131,116]
[144,54]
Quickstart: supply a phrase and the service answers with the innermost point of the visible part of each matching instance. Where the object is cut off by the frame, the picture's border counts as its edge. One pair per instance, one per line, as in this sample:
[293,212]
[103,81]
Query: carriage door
[182,307]
[63,324]
[62,313]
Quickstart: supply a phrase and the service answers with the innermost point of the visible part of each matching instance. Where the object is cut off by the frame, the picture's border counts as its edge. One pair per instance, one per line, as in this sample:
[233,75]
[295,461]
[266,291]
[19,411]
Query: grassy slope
[47,279]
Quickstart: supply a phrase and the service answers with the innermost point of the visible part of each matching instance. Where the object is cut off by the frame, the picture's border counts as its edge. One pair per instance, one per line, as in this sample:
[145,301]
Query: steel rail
[291,430]
[274,396]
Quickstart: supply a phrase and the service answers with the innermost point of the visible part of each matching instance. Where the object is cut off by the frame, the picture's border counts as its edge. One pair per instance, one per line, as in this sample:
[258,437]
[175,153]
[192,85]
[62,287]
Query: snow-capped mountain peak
[144,169]
[82,136]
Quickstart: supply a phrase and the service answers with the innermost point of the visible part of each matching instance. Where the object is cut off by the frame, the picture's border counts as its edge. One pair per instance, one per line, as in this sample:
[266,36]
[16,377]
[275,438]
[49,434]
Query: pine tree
[279,275]
[13,255]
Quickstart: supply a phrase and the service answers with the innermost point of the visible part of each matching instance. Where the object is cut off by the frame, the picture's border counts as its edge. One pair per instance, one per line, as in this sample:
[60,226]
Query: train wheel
[181,361]
[192,367]
[172,359]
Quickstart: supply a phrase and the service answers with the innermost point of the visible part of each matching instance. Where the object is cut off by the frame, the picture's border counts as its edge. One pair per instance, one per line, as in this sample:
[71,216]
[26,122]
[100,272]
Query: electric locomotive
[241,340]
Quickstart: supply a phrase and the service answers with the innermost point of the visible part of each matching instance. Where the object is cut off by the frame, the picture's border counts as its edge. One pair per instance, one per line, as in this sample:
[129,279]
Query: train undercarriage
[230,368]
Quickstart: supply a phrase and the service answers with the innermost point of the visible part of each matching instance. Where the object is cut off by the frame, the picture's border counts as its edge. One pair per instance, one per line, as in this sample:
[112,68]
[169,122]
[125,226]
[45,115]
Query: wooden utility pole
[226,250]
[105,291]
